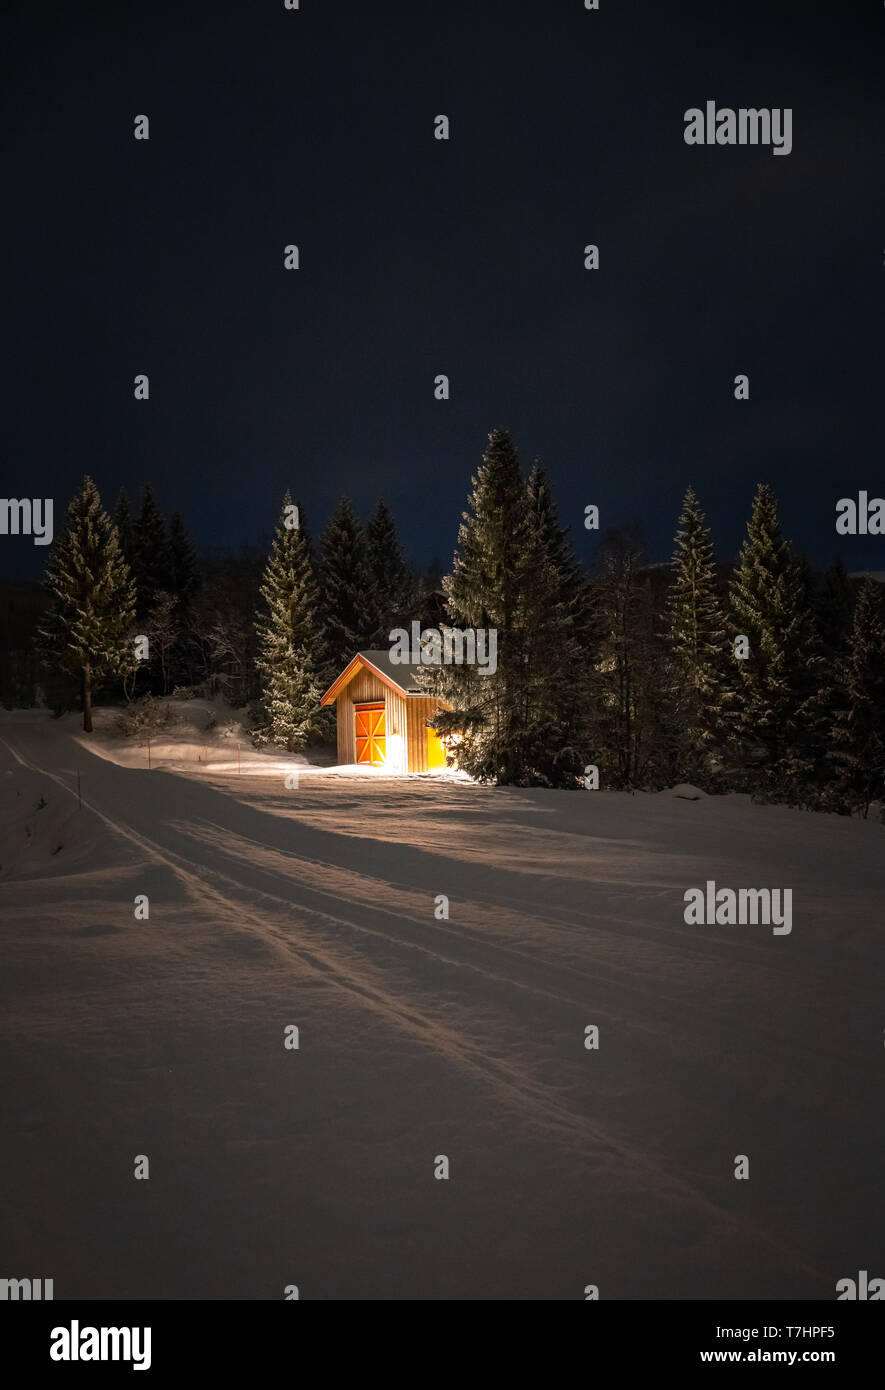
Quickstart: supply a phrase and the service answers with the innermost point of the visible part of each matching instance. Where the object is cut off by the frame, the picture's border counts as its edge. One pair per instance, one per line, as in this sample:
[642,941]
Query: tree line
[267,631]
[759,677]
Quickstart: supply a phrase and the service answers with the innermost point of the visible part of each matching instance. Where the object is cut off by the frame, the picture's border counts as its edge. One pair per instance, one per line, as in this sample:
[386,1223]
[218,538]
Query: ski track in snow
[330,904]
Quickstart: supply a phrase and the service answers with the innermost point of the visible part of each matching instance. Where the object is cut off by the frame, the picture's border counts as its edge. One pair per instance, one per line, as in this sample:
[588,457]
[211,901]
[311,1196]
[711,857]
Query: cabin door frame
[370,732]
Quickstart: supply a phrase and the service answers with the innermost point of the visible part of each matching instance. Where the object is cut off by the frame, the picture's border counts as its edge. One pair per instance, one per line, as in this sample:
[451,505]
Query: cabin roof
[400,677]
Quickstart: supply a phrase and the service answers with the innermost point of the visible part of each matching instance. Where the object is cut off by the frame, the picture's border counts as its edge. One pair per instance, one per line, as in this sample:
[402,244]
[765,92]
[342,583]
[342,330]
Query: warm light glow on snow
[396,753]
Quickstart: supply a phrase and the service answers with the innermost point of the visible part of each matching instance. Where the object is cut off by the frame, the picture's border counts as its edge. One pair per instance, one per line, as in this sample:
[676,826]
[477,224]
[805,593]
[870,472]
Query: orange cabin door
[371,741]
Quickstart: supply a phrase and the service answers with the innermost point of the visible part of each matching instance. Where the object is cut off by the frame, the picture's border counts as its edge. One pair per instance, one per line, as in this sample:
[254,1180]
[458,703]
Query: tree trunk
[87,701]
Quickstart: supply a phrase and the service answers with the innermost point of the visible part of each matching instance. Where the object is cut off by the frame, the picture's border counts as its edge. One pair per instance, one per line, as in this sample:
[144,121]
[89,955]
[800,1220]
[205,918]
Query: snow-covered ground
[206,736]
[314,905]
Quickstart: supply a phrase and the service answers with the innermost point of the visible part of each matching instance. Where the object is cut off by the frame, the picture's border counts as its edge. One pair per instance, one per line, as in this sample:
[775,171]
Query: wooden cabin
[382,714]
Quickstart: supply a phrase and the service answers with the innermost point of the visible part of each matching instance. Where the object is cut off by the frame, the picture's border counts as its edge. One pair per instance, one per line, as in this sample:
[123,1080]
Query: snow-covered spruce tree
[349,616]
[832,598]
[695,631]
[562,634]
[392,581]
[773,701]
[508,575]
[858,730]
[485,591]
[88,627]
[288,637]
[575,590]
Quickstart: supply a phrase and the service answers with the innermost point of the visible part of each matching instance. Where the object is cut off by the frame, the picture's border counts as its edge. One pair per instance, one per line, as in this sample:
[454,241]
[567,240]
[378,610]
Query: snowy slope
[420,1037]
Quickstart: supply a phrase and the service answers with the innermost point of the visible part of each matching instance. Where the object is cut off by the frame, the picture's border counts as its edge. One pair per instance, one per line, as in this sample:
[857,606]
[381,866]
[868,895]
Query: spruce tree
[573,587]
[153,565]
[346,587]
[125,524]
[562,634]
[695,631]
[834,609]
[184,580]
[88,627]
[858,730]
[182,560]
[487,590]
[832,600]
[288,637]
[392,580]
[771,703]
[632,747]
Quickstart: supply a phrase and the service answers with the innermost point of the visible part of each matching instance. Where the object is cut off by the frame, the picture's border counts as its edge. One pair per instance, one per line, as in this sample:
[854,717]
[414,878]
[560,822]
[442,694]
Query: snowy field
[314,905]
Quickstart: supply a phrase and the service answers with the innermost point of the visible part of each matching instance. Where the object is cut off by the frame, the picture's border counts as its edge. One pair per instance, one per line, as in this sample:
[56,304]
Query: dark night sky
[419,257]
